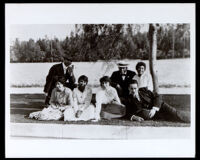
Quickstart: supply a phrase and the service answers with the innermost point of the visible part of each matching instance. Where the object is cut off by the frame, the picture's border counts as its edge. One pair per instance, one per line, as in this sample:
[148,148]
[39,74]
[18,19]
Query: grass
[17,118]
[23,104]
[26,85]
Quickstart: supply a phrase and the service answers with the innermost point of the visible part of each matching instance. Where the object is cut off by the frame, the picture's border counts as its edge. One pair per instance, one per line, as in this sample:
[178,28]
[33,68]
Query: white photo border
[100,13]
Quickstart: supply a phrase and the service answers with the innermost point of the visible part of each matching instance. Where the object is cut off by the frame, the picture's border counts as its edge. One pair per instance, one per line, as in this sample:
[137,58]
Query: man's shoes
[183,116]
[136,118]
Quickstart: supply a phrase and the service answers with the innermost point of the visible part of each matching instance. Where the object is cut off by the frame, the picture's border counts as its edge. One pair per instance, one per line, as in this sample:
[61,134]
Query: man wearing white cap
[120,79]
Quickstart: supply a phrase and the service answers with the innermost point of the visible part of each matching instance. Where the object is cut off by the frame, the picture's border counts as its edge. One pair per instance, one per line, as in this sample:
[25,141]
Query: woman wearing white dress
[61,98]
[108,104]
[143,78]
[82,96]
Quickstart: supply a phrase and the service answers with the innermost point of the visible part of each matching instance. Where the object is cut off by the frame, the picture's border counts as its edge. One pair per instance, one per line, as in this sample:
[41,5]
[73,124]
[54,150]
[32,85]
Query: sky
[35,31]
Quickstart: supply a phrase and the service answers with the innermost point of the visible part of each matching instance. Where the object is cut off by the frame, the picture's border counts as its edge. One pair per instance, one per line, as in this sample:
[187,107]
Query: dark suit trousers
[166,112]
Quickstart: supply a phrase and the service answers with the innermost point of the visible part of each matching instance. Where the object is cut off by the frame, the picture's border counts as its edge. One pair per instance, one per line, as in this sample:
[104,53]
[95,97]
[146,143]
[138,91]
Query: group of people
[125,94]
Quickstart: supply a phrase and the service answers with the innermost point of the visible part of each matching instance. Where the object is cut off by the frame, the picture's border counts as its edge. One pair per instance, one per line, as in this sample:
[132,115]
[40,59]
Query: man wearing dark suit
[64,69]
[142,104]
[120,79]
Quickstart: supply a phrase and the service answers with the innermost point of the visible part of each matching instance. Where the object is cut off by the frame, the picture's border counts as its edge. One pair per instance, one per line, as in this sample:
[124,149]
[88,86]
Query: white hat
[122,64]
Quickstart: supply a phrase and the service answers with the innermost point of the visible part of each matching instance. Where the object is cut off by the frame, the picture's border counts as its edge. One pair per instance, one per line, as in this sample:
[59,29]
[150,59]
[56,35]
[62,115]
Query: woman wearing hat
[61,98]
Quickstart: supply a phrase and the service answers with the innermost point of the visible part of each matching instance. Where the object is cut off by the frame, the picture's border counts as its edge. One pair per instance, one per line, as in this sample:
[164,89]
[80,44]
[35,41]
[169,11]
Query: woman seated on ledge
[83,109]
[108,104]
[61,98]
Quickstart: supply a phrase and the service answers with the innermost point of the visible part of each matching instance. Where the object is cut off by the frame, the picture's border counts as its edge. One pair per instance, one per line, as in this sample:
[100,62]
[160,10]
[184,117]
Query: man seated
[120,79]
[142,104]
[143,78]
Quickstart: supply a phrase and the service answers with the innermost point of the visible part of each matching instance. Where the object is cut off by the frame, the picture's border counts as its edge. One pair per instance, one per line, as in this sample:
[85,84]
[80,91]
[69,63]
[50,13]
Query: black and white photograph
[100,80]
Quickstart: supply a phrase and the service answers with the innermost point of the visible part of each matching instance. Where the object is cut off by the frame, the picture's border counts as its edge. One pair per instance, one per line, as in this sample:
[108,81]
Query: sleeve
[113,80]
[75,100]
[128,108]
[157,100]
[149,83]
[49,79]
[116,97]
[72,79]
[70,98]
[53,97]
[98,104]
[133,74]
[135,77]
[156,108]
[88,98]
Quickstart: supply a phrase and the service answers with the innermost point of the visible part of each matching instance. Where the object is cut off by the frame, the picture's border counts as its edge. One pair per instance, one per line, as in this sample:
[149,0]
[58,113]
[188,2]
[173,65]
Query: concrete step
[71,131]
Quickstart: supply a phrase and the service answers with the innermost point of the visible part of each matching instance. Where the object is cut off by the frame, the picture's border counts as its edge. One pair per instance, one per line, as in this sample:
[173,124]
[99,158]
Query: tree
[15,50]
[152,55]
[92,42]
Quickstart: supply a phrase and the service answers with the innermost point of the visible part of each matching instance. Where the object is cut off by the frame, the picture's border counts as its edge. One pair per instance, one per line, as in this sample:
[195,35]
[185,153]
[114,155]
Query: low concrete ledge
[71,131]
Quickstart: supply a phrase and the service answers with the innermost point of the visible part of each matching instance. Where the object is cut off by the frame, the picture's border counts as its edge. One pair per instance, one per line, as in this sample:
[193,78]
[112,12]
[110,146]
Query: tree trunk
[173,41]
[152,56]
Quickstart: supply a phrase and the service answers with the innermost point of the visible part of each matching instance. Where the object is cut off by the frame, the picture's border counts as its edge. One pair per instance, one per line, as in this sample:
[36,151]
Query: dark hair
[61,80]
[66,60]
[84,78]
[133,81]
[140,64]
[104,79]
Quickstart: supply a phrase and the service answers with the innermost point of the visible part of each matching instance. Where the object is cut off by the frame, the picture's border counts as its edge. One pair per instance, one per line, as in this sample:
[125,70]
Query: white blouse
[82,99]
[105,97]
[145,80]
[63,97]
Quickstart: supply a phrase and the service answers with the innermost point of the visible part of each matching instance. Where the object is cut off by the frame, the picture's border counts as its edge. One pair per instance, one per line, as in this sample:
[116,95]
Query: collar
[59,90]
[64,67]
[142,74]
[123,74]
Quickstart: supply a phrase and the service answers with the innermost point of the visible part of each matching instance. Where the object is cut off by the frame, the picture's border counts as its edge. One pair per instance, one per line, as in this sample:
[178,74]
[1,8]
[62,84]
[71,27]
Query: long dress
[59,99]
[82,101]
[108,104]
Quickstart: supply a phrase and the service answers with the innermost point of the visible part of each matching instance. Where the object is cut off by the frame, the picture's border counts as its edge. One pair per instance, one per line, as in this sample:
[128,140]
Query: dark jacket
[148,99]
[55,72]
[116,78]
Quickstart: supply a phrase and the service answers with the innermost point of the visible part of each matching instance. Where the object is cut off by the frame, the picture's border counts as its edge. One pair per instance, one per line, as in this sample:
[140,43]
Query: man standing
[120,79]
[64,69]
[142,104]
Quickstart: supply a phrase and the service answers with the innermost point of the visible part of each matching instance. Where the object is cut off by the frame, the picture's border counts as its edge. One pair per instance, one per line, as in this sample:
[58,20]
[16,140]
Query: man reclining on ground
[142,104]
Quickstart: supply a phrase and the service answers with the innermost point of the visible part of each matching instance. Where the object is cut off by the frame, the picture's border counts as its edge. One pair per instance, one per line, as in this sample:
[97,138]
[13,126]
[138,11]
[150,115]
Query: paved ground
[23,104]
